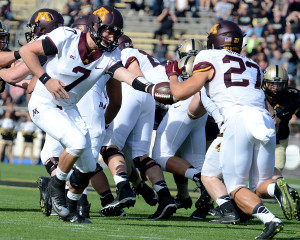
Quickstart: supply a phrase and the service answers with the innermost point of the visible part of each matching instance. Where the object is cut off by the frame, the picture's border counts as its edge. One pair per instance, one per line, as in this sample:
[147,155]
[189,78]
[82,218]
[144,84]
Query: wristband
[44,78]
[17,55]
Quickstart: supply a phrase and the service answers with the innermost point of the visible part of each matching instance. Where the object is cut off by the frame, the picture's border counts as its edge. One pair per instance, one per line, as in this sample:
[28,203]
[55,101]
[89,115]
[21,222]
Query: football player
[132,127]
[233,82]
[75,62]
[93,101]
[286,102]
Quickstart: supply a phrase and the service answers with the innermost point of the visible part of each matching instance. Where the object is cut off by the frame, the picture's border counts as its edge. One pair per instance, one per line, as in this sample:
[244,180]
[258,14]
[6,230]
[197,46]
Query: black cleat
[125,198]
[45,201]
[271,229]
[166,208]
[56,190]
[75,218]
[295,195]
[84,210]
[147,193]
[284,199]
[215,211]
[198,214]
[182,202]
[114,213]
[227,218]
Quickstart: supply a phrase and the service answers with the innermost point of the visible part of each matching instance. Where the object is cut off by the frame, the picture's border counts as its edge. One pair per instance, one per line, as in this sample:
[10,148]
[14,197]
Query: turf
[21,217]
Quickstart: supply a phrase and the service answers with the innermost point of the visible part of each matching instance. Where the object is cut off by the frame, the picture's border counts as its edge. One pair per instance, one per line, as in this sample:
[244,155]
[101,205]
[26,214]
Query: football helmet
[125,42]
[186,62]
[225,35]
[81,23]
[189,47]
[105,18]
[43,21]
[4,37]
[275,82]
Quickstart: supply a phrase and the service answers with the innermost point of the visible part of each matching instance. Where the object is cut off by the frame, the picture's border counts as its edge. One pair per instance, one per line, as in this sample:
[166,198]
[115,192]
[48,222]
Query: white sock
[60,174]
[73,196]
[190,172]
[271,189]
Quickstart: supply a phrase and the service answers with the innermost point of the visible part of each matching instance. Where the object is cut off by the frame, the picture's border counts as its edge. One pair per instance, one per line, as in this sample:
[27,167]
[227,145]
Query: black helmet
[81,23]
[125,42]
[275,82]
[225,35]
[105,18]
[43,21]
[4,37]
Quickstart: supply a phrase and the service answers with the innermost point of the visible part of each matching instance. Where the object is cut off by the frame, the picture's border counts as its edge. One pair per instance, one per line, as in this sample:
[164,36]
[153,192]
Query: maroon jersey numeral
[239,70]
[86,73]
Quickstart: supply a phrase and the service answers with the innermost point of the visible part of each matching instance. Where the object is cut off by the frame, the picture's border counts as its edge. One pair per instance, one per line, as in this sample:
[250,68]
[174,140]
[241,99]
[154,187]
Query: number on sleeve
[150,58]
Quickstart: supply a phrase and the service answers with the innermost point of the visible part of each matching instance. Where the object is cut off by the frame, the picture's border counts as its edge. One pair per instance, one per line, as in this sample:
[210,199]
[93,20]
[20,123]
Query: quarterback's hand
[56,88]
[172,68]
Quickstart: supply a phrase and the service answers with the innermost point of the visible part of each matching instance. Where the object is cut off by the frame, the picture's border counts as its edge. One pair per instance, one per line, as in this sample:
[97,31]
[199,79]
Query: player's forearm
[6,58]
[15,74]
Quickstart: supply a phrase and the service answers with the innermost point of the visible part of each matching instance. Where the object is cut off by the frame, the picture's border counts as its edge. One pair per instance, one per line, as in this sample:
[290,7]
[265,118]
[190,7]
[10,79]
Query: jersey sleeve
[59,35]
[129,55]
[203,61]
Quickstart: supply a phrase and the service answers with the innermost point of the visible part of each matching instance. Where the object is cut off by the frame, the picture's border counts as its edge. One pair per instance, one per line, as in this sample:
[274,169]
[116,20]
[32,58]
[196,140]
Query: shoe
[295,195]
[125,198]
[74,217]
[147,193]
[166,208]
[53,213]
[228,217]
[115,213]
[198,214]
[84,210]
[284,199]
[58,198]
[45,201]
[215,211]
[271,229]
[182,202]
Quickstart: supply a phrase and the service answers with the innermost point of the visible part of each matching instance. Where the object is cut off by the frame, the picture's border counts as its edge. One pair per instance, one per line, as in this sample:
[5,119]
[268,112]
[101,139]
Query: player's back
[236,84]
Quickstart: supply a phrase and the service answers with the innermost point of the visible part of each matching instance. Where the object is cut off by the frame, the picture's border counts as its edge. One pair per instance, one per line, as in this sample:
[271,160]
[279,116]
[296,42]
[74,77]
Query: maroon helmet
[43,21]
[4,37]
[81,23]
[225,35]
[105,18]
[125,42]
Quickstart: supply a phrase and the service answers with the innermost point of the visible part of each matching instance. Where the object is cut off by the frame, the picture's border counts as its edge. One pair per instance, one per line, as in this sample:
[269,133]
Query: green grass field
[21,218]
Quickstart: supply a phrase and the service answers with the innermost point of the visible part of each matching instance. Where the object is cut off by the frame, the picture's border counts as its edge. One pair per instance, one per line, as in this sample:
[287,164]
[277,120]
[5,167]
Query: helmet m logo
[43,16]
[214,30]
[101,12]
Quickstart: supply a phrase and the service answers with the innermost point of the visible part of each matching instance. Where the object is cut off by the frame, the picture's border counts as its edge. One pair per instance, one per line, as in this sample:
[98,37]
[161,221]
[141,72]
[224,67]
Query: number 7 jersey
[236,83]
[74,66]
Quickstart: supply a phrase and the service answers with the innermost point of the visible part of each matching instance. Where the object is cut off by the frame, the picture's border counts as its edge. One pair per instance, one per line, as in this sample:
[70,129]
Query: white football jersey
[152,69]
[236,84]
[74,66]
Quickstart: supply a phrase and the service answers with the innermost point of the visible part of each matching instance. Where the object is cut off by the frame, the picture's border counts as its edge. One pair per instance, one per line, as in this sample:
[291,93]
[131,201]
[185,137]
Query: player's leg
[10,152]
[244,133]
[22,153]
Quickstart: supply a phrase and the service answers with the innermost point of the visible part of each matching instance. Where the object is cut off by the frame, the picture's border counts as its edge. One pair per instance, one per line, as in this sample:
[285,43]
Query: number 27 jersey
[236,84]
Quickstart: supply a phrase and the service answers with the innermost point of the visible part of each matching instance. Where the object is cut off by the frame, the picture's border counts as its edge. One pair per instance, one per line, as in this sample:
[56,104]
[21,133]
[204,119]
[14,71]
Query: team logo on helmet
[101,12]
[43,16]
[214,30]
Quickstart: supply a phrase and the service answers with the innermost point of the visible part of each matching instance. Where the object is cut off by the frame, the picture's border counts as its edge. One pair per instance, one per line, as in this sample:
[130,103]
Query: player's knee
[80,180]
[98,168]
[162,161]
[108,152]
[52,164]
[144,165]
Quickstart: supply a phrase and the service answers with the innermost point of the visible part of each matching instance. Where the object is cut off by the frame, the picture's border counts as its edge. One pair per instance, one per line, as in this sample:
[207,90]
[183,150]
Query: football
[161,92]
